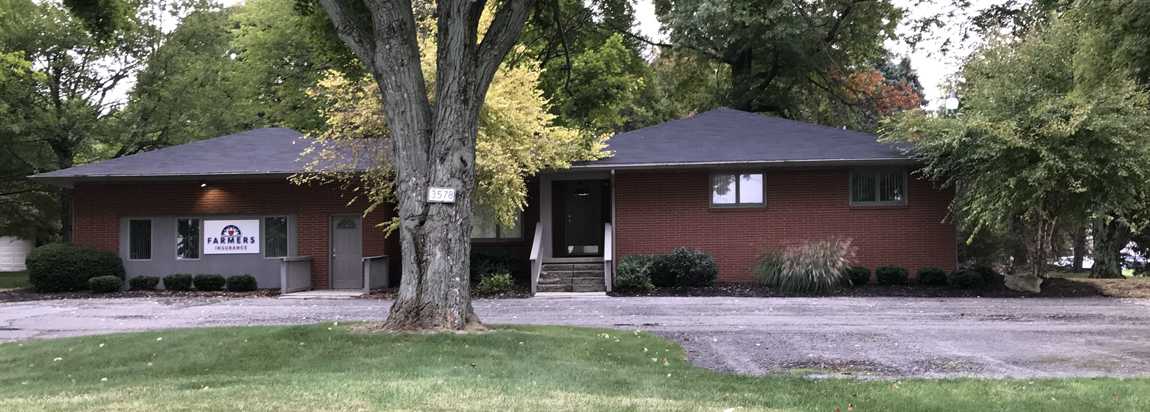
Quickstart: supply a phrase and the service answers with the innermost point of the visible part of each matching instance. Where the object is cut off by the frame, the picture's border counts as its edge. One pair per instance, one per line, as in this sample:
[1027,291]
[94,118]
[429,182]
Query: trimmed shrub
[932,276]
[60,267]
[815,267]
[486,262]
[178,282]
[105,284]
[495,283]
[990,277]
[858,275]
[634,273]
[241,283]
[143,283]
[684,267]
[966,279]
[890,275]
[209,283]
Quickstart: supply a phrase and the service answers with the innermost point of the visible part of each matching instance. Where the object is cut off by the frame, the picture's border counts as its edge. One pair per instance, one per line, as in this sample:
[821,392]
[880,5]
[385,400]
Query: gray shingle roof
[271,151]
[717,137]
[728,136]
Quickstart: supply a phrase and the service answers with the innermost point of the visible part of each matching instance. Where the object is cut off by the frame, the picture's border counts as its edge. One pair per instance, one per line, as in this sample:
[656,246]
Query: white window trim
[876,171]
[199,242]
[151,238]
[738,185]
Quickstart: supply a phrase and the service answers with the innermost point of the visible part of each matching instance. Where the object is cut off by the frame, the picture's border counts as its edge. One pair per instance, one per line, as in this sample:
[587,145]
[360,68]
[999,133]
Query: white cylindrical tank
[13,250]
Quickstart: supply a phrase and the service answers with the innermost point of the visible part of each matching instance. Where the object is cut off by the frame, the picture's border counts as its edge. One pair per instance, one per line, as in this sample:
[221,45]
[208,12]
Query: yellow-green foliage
[517,138]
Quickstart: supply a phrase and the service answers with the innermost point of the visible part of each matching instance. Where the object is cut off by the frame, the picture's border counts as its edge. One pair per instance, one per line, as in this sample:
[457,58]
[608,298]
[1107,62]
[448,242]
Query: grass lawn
[12,280]
[327,367]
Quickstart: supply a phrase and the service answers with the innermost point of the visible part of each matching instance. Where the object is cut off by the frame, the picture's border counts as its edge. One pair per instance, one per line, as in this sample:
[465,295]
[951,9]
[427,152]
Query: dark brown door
[580,207]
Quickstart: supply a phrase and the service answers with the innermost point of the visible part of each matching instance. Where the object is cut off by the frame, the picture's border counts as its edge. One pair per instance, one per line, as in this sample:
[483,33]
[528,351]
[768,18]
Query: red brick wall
[657,211]
[99,207]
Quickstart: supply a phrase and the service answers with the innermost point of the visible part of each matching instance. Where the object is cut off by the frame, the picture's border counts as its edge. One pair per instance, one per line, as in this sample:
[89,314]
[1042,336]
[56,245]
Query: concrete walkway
[882,337]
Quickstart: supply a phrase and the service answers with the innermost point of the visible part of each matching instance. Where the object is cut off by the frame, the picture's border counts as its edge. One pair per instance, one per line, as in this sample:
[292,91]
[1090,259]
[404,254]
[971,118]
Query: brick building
[730,183]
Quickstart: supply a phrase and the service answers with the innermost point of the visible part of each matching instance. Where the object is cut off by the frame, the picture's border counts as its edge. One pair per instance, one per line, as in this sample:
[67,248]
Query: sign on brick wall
[229,237]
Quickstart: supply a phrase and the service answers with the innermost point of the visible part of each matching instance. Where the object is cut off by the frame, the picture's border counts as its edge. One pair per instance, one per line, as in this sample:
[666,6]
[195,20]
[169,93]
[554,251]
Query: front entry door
[346,252]
[580,207]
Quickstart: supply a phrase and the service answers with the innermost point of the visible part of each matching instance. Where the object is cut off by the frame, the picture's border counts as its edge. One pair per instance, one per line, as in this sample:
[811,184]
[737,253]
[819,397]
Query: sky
[934,69]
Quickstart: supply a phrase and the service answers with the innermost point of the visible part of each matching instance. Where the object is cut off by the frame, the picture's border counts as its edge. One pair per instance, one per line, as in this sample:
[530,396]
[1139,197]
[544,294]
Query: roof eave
[893,161]
[69,181]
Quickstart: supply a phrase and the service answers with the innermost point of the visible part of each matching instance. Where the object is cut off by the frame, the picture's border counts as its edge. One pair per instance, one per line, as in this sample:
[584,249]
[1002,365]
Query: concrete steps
[571,277]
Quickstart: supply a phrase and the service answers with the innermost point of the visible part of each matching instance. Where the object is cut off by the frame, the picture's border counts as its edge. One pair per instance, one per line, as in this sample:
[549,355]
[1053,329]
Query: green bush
[932,276]
[813,268]
[487,262]
[209,282]
[143,283]
[990,276]
[966,279]
[178,282]
[495,283]
[634,273]
[858,275]
[105,284]
[684,267]
[241,283]
[890,275]
[61,267]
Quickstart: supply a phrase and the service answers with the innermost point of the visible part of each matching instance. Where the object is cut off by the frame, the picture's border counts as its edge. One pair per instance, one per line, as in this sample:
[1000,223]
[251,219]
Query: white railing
[608,256]
[536,262]
[375,273]
[295,274]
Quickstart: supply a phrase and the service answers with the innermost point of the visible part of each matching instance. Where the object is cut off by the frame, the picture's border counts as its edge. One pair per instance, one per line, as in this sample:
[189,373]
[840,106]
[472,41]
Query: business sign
[440,195]
[231,237]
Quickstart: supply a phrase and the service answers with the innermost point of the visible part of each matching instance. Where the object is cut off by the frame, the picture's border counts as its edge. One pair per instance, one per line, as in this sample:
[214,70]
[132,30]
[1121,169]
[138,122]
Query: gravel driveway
[881,337]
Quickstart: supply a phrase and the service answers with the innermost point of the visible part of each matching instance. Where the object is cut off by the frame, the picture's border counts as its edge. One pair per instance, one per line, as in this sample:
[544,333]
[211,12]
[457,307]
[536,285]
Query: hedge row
[683,267]
[971,278]
[61,267]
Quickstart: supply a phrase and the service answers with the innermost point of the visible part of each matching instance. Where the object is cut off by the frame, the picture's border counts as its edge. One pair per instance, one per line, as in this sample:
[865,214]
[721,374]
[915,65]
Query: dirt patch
[22,295]
[1051,288]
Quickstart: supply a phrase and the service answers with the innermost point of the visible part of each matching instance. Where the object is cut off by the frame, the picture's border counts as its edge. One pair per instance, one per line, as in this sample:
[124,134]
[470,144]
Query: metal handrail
[608,255]
[536,262]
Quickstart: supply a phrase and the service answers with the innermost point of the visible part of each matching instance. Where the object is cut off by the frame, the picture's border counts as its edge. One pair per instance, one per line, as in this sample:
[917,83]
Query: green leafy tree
[76,75]
[27,210]
[788,58]
[1035,141]
[188,90]
[517,139]
[592,68]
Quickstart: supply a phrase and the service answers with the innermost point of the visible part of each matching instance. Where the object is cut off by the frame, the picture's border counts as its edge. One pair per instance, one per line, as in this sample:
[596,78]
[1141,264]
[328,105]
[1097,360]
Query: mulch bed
[1051,288]
[20,295]
[514,294]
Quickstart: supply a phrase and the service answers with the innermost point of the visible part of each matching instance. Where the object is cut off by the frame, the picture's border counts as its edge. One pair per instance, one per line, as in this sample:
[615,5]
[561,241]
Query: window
[485,225]
[139,239]
[276,236]
[732,190]
[187,238]
[878,187]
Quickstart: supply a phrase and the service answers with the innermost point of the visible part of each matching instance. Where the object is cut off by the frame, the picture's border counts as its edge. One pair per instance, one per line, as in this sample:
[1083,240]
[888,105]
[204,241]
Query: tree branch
[499,39]
[353,24]
[707,53]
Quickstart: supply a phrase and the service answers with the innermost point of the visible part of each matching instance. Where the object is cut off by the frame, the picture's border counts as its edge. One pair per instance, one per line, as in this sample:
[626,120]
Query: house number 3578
[440,195]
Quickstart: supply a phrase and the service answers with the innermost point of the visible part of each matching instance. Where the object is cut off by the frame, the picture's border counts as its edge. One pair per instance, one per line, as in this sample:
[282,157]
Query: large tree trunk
[65,153]
[1039,234]
[1110,236]
[434,143]
[1078,246]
